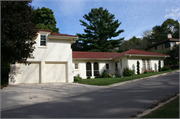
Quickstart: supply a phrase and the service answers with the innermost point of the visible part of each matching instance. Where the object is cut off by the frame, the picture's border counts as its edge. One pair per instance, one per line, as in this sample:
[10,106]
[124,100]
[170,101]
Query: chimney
[169,36]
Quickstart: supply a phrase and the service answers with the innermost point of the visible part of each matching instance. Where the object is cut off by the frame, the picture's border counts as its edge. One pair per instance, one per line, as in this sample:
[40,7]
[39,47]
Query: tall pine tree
[100,28]
[44,19]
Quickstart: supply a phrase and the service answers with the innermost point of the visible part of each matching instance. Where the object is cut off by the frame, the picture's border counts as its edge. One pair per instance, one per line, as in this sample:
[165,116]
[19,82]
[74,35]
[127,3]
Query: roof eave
[57,37]
[92,58]
[146,55]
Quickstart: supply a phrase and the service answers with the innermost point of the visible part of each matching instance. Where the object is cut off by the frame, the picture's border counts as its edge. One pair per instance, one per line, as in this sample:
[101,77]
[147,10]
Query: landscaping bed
[108,81]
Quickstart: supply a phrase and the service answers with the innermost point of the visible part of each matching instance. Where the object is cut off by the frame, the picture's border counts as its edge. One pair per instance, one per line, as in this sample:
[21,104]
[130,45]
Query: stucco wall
[54,51]
[154,63]
[82,67]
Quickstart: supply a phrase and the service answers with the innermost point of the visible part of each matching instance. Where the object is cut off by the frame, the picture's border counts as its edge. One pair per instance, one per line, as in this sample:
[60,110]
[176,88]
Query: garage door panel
[55,72]
[28,73]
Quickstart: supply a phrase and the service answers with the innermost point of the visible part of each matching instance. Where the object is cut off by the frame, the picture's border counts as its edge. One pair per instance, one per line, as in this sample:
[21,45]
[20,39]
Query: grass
[108,81]
[169,110]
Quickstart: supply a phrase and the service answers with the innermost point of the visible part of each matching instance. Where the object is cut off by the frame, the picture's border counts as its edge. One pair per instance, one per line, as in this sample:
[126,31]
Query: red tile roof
[141,52]
[56,34]
[108,55]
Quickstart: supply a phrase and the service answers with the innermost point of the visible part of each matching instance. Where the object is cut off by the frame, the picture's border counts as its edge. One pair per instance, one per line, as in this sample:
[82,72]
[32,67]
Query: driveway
[23,94]
[114,102]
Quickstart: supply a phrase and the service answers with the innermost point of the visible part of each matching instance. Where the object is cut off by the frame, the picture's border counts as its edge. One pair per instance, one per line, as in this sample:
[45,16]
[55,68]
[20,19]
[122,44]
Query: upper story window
[76,66]
[43,40]
[107,66]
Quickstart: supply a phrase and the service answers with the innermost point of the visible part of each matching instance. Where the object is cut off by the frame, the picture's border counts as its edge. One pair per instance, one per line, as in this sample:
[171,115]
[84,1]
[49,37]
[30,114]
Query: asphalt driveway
[113,102]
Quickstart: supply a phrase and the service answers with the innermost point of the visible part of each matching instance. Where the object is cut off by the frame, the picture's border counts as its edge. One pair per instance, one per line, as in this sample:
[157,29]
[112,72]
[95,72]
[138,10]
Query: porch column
[92,67]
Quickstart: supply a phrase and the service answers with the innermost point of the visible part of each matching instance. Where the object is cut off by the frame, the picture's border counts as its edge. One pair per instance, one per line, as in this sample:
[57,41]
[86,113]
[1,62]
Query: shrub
[105,75]
[138,68]
[77,78]
[159,65]
[128,72]
[88,77]
[165,68]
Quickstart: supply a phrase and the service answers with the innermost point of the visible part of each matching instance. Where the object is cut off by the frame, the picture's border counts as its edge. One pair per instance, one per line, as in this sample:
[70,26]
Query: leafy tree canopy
[160,33]
[17,32]
[132,43]
[44,19]
[100,27]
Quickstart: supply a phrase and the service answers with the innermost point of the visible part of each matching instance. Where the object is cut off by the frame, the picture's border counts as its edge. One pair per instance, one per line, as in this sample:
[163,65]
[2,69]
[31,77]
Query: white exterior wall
[54,51]
[154,63]
[124,64]
[132,64]
[82,67]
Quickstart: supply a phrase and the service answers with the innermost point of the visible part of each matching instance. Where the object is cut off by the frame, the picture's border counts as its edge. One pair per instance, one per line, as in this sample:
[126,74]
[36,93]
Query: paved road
[114,102]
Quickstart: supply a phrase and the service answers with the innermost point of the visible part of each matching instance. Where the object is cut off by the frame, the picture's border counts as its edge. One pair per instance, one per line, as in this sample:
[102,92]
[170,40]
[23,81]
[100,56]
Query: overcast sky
[136,15]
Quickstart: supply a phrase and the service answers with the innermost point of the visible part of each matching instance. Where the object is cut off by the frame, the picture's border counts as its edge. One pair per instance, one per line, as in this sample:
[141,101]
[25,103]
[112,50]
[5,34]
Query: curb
[121,83]
[150,110]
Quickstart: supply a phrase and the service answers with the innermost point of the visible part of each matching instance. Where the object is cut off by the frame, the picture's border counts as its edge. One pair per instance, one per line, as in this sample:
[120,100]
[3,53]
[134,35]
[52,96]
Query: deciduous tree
[17,33]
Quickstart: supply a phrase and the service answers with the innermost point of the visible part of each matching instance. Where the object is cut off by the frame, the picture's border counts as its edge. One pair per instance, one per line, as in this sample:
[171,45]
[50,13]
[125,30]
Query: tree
[132,43]
[174,56]
[44,19]
[17,33]
[100,27]
[160,33]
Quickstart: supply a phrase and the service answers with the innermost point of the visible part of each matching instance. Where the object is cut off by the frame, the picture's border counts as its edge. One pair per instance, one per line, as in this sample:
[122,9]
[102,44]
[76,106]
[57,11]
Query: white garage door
[55,72]
[28,73]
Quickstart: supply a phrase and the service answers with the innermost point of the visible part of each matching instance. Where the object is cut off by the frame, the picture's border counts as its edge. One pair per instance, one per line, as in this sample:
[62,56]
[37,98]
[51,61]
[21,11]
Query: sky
[136,16]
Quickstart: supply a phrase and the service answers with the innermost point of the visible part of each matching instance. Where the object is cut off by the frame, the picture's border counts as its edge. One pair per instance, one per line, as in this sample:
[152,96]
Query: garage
[55,72]
[28,73]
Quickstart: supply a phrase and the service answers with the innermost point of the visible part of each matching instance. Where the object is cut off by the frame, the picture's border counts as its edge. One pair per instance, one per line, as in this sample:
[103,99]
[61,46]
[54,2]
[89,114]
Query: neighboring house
[54,61]
[163,46]
[93,63]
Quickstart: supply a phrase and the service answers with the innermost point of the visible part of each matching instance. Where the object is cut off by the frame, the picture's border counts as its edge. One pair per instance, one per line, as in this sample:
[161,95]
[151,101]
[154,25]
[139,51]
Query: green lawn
[169,110]
[108,81]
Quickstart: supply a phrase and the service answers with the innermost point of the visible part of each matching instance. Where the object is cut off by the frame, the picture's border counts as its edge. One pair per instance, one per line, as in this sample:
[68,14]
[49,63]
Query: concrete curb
[150,110]
[121,83]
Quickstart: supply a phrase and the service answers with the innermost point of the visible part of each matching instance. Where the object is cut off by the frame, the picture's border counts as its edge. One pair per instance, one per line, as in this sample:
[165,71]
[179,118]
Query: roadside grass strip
[108,81]
[169,110]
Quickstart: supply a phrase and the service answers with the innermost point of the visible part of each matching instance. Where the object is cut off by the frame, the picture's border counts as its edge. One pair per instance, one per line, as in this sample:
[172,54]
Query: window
[116,67]
[107,66]
[146,64]
[43,40]
[76,65]
[88,69]
[96,69]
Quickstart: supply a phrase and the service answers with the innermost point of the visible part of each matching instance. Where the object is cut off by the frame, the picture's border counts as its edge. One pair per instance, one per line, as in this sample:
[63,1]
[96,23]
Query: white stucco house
[54,61]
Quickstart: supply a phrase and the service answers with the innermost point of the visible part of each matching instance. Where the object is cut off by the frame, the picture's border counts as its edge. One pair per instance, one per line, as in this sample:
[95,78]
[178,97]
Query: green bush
[105,75]
[165,68]
[159,66]
[77,78]
[88,77]
[128,72]
[138,68]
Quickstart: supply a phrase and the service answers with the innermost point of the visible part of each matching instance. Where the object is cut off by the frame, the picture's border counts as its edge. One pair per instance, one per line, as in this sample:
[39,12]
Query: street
[115,102]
